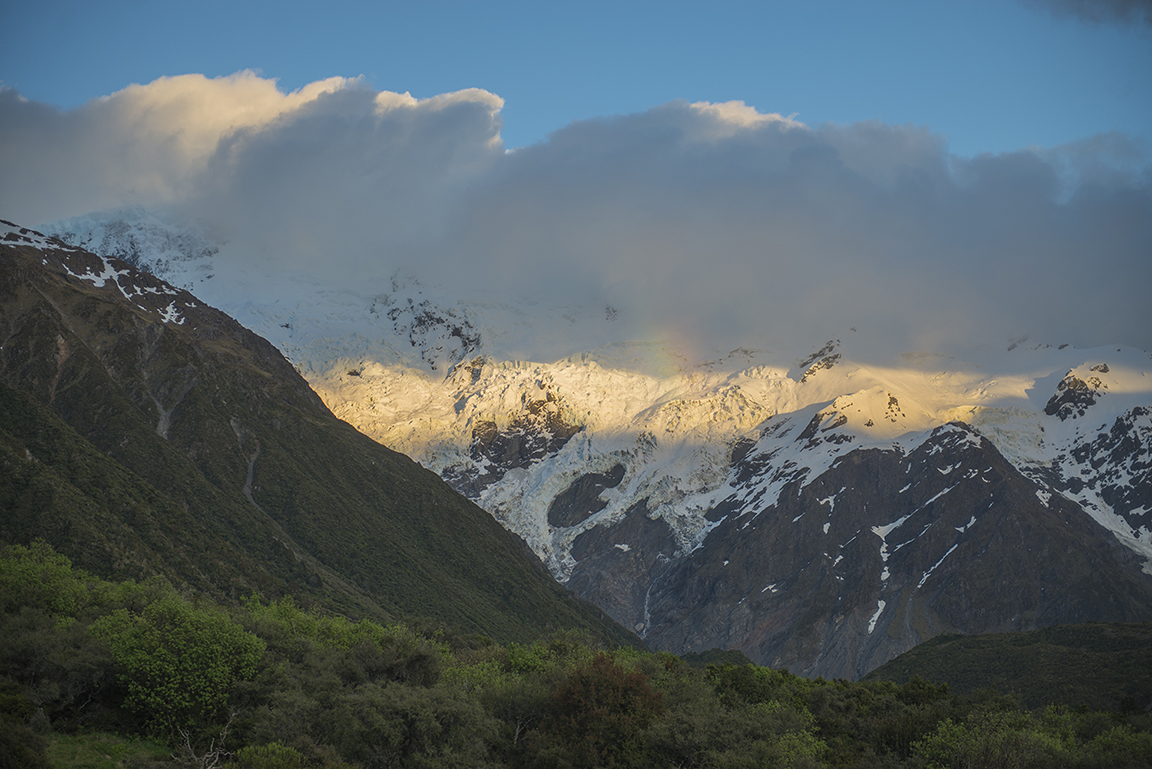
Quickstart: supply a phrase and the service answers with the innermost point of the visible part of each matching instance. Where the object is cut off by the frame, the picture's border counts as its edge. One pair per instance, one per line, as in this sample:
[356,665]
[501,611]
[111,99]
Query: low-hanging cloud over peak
[710,222]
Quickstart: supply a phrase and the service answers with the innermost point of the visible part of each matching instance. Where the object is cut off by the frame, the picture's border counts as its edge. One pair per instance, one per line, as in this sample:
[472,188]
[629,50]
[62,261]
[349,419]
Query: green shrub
[38,576]
[1007,740]
[179,662]
[599,715]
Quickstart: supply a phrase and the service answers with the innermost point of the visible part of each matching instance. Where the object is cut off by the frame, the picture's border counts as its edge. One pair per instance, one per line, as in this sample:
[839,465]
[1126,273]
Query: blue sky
[990,76]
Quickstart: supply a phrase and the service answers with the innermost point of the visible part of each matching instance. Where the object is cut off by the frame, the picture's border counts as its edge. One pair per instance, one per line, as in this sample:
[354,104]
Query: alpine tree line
[273,685]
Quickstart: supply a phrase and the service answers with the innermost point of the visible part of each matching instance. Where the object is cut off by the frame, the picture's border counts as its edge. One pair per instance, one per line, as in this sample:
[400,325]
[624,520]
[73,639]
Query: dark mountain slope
[1098,665]
[143,432]
[947,538]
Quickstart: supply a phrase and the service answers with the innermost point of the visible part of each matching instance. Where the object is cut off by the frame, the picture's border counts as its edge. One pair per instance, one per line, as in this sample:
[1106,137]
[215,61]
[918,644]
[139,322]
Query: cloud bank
[711,223]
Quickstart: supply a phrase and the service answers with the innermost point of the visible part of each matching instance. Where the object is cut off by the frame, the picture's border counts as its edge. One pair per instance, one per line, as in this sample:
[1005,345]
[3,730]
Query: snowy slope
[675,433]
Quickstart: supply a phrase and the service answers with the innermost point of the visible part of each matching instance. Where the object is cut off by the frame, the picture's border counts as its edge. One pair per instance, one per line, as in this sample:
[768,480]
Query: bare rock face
[615,564]
[582,499]
[1074,396]
[536,432]
[443,336]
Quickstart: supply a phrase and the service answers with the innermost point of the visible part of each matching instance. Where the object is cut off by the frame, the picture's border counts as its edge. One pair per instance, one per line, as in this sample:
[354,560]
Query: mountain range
[821,509]
[145,434]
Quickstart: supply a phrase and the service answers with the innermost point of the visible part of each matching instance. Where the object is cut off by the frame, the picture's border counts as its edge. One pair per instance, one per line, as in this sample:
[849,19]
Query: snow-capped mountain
[822,509]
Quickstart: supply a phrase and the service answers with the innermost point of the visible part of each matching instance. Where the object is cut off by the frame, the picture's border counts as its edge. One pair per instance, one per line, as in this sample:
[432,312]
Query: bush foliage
[271,685]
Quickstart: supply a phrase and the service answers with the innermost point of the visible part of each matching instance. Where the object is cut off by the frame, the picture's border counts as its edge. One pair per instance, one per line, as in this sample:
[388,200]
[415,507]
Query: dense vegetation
[136,674]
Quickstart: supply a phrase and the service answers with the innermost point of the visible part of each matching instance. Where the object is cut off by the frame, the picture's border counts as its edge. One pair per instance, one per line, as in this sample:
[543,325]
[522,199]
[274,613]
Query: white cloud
[353,170]
[712,223]
[727,118]
[189,114]
[146,143]
[169,140]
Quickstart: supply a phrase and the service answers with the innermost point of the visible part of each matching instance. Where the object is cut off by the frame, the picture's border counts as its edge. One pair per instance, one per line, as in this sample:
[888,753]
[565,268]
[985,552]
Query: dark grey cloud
[1131,12]
[785,231]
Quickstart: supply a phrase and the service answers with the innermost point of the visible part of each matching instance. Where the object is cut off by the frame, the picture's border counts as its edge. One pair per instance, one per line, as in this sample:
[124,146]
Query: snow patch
[928,573]
[172,315]
[879,609]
